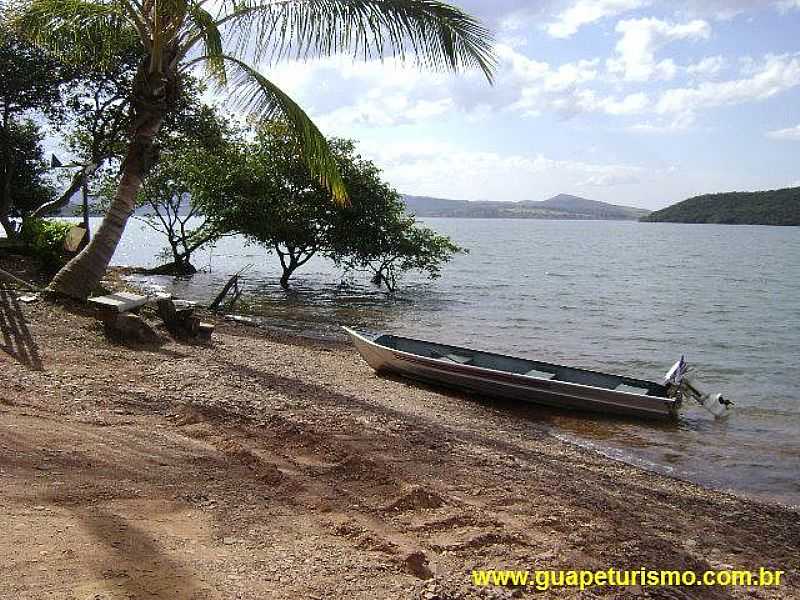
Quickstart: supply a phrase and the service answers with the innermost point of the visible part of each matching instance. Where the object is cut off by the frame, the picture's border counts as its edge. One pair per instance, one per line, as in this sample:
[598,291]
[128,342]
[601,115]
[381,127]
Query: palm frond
[255,94]
[437,34]
[204,26]
[77,31]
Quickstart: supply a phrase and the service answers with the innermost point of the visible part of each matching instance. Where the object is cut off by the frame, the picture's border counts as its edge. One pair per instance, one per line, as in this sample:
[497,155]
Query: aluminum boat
[533,381]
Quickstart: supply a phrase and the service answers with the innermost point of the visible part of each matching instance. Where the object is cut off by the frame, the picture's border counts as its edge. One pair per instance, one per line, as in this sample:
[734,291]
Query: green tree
[192,155]
[95,117]
[401,246]
[179,35]
[273,200]
[30,83]
[768,207]
[24,174]
[269,196]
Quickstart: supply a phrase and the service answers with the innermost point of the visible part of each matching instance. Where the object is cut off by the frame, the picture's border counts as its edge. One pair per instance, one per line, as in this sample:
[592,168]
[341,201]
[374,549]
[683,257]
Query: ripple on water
[620,297]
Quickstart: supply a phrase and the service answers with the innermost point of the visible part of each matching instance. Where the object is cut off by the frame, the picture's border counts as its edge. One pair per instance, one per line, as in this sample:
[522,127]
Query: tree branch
[77,180]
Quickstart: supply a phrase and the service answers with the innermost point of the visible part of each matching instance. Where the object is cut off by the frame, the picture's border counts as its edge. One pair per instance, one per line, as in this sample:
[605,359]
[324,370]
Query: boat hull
[513,386]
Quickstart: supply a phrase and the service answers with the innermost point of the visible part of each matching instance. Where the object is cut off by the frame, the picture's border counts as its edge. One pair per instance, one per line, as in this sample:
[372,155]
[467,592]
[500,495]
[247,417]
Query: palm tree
[178,35]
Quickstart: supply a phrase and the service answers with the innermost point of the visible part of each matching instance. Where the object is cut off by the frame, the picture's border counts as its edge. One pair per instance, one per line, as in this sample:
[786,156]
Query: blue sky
[634,102]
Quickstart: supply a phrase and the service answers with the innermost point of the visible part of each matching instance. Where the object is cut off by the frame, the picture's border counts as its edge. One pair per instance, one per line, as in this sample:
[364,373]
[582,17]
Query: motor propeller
[681,386]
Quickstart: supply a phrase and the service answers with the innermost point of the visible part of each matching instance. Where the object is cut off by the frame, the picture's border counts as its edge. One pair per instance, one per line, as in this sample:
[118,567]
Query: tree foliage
[270,196]
[31,83]
[401,246]
[263,192]
[31,77]
[45,239]
[177,36]
[192,152]
[23,177]
[773,207]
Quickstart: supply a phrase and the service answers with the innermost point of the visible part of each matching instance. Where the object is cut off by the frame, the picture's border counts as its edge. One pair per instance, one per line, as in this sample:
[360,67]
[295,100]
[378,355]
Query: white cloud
[584,12]
[589,101]
[570,74]
[611,179]
[439,168]
[377,94]
[721,9]
[708,67]
[378,109]
[787,5]
[660,126]
[642,38]
[541,87]
[341,94]
[790,133]
[775,74]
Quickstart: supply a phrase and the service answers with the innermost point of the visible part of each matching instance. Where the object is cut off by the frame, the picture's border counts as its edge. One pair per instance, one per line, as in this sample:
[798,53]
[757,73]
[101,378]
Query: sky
[635,102]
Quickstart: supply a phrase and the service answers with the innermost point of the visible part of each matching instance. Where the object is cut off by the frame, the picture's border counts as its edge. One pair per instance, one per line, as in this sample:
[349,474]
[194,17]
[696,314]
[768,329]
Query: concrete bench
[120,302]
[178,315]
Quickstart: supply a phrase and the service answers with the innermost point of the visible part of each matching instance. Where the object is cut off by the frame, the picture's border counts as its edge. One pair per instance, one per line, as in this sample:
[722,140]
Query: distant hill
[562,206]
[772,207]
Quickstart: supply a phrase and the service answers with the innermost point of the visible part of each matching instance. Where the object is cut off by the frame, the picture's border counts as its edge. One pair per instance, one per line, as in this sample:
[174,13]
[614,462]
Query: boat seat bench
[630,389]
[464,360]
[540,374]
[456,358]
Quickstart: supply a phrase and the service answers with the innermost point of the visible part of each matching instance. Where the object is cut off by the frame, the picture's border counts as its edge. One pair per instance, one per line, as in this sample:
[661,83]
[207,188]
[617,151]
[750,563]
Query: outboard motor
[680,386]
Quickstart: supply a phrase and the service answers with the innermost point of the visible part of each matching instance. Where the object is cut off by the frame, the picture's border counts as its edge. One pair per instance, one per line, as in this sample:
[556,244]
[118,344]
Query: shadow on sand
[16,340]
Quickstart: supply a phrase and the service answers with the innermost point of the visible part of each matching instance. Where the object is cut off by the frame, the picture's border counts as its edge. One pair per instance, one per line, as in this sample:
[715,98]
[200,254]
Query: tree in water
[378,237]
[193,152]
[270,197]
[178,36]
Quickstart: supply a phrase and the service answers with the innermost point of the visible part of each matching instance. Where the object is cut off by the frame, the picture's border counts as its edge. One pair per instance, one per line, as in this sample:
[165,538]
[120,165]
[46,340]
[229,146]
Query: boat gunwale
[672,403]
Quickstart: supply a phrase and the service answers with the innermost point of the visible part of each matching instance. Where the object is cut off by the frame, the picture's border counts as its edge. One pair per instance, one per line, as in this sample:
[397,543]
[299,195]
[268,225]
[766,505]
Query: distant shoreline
[770,207]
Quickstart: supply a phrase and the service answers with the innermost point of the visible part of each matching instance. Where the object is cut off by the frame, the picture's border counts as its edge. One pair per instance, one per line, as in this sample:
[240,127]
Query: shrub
[45,240]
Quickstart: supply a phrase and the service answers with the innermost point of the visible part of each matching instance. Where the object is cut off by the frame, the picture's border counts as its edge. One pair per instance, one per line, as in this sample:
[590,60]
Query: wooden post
[233,281]
[85,195]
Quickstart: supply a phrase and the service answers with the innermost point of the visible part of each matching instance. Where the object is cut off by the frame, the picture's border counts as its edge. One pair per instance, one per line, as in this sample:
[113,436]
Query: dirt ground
[263,466]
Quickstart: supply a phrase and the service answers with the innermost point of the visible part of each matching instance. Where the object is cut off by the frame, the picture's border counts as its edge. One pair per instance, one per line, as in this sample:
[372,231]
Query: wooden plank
[233,281]
[120,302]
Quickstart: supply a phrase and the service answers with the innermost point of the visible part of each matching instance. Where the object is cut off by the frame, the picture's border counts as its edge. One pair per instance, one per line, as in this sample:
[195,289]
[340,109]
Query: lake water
[621,297]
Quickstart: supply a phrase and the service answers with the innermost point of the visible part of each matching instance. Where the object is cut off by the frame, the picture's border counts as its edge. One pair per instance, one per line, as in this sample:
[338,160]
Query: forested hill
[563,206]
[772,207]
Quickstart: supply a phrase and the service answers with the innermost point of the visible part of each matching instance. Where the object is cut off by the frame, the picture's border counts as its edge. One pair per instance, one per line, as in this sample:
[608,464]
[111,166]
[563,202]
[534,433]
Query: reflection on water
[624,298]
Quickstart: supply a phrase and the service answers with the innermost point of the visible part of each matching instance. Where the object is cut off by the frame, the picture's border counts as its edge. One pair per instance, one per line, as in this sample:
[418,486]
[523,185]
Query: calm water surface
[621,297]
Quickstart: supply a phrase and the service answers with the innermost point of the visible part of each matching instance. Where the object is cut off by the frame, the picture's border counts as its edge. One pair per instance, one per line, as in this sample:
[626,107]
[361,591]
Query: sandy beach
[267,466]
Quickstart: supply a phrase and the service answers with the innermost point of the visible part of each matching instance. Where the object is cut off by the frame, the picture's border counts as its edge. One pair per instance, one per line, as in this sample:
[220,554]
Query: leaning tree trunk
[287,275]
[83,273]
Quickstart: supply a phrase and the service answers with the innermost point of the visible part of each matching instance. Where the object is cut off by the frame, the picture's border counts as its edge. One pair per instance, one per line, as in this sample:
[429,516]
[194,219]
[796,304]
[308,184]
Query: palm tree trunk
[83,273]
